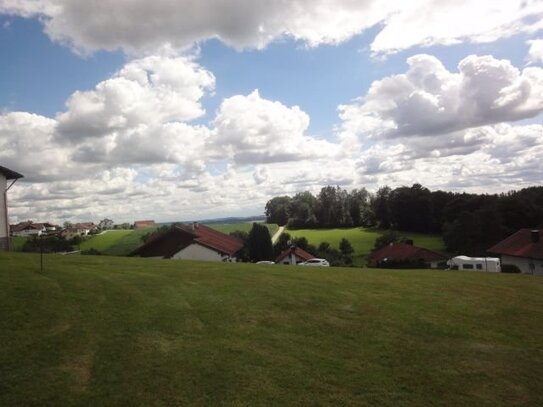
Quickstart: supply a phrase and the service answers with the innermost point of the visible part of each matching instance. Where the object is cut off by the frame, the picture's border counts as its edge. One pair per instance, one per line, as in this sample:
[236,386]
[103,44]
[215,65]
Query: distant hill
[231,219]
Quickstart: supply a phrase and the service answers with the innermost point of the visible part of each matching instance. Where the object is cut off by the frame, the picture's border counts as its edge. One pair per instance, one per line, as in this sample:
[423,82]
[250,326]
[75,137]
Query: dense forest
[469,223]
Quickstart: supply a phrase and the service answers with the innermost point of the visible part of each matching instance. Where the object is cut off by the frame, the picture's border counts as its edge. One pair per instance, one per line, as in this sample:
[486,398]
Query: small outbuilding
[293,256]
[191,242]
[404,255]
[523,249]
[7,179]
[144,224]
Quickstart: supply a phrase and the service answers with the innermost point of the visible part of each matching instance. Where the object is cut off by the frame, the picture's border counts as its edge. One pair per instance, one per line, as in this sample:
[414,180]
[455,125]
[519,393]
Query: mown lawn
[95,330]
[243,227]
[363,240]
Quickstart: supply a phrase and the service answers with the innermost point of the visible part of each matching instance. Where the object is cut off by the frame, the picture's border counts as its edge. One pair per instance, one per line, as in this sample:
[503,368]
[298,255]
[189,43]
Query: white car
[315,262]
[265,262]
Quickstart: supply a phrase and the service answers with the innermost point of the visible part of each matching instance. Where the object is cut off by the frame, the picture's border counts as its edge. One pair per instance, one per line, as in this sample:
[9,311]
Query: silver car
[315,262]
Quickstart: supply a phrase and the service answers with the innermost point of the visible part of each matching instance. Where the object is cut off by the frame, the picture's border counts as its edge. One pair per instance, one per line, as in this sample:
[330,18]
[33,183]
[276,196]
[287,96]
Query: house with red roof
[293,256]
[28,228]
[398,254]
[523,249]
[143,224]
[191,242]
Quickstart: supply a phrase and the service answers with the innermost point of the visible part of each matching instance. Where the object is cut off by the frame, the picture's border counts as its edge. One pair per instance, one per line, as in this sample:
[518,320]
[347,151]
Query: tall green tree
[302,211]
[277,210]
[259,243]
[380,205]
[410,208]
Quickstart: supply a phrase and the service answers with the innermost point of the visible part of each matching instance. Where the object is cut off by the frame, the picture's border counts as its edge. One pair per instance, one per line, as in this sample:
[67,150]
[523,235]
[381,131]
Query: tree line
[469,223]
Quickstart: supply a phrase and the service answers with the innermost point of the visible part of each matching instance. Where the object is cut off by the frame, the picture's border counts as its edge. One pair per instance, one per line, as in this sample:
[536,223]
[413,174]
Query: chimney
[535,236]
[194,225]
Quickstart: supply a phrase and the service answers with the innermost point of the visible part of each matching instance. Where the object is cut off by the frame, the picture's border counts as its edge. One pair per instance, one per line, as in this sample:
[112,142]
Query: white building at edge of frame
[7,179]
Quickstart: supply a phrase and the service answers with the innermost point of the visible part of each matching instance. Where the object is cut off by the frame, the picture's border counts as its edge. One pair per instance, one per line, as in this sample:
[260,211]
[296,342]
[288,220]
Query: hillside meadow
[363,239]
[96,330]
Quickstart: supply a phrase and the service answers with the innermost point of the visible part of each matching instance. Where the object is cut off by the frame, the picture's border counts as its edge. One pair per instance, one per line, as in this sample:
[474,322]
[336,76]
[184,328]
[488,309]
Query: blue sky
[357,95]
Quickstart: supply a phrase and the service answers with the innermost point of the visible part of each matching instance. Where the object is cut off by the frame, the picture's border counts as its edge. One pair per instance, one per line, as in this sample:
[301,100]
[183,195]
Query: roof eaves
[10,174]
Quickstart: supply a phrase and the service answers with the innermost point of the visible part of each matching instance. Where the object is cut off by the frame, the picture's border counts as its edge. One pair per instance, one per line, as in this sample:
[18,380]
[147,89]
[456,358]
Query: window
[479,266]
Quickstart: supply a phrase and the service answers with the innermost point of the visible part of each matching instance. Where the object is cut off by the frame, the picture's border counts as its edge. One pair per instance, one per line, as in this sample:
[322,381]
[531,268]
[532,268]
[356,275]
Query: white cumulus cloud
[148,91]
[430,100]
[251,129]
[535,53]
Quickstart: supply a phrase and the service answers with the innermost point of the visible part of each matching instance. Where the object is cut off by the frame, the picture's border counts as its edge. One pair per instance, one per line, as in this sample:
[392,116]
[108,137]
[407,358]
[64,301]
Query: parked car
[315,262]
[265,262]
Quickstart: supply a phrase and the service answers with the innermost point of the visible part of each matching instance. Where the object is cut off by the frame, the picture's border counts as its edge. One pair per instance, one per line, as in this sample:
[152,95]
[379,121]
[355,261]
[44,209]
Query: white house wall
[3,220]
[526,265]
[28,232]
[292,259]
[198,252]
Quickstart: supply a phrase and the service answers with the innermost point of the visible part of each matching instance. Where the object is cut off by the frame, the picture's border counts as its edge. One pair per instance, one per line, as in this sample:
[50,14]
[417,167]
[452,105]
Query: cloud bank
[430,100]
[141,26]
[129,148]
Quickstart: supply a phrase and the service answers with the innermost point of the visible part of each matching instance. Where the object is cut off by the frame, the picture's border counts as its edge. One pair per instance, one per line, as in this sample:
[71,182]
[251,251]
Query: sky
[191,109]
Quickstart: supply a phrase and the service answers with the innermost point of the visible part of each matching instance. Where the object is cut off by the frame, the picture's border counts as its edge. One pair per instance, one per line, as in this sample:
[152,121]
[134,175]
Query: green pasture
[104,240]
[117,242]
[363,239]
[100,330]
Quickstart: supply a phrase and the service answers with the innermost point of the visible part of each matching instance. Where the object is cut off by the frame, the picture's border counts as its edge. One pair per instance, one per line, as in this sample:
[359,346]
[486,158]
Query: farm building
[85,228]
[191,242]
[404,254]
[142,224]
[28,228]
[6,176]
[293,256]
[523,249]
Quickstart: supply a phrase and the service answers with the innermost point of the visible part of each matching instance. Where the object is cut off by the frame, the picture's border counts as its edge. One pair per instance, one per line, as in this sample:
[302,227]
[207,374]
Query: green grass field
[363,240]
[96,330]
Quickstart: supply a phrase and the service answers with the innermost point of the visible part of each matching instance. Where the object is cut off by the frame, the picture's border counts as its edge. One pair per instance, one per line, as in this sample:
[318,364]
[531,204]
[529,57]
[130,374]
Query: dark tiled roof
[302,254]
[9,174]
[520,244]
[403,251]
[84,225]
[176,239]
[25,225]
[213,239]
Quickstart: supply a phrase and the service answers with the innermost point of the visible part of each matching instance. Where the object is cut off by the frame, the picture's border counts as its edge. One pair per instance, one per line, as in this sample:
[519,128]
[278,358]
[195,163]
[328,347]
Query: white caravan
[491,264]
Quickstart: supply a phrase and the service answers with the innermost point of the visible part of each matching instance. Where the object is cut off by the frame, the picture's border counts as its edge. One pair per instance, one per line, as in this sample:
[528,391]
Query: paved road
[277,234]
